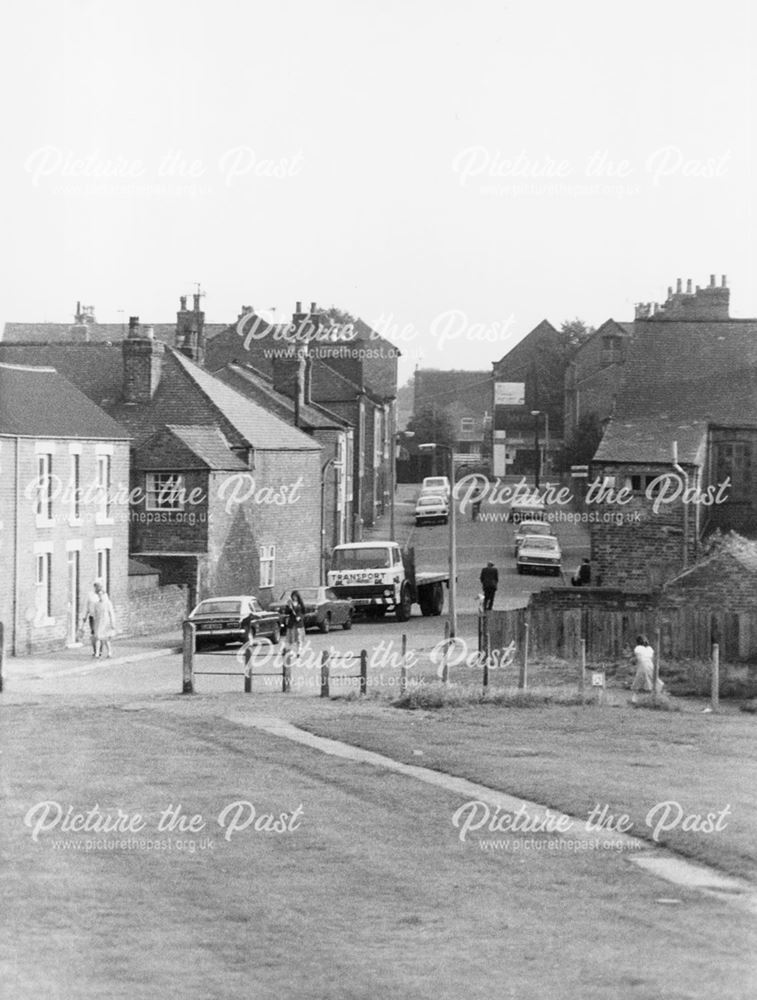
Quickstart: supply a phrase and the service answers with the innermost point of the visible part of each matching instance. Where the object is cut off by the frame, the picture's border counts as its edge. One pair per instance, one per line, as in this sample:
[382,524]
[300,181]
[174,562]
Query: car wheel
[520,569]
[347,622]
[276,634]
[325,624]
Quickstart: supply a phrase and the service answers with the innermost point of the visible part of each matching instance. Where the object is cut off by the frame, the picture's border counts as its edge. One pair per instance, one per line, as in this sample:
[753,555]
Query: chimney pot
[724,284]
[149,332]
[298,307]
[670,291]
[679,285]
[712,281]
[688,286]
[312,307]
[196,301]
[133,326]
[183,303]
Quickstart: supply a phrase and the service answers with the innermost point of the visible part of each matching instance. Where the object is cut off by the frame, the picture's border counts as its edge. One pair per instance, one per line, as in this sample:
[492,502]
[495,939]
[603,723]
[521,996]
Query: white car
[530,527]
[435,486]
[431,508]
[531,509]
[539,552]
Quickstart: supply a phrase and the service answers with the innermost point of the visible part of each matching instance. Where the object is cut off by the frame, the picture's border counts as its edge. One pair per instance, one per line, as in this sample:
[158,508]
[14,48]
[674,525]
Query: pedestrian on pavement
[294,617]
[643,655]
[489,582]
[104,620]
[88,618]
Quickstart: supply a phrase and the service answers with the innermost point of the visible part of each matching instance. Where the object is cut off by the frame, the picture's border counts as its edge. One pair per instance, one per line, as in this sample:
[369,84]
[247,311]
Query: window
[44,582]
[642,481]
[104,487]
[267,565]
[734,460]
[467,425]
[612,350]
[165,491]
[44,487]
[75,486]
[103,547]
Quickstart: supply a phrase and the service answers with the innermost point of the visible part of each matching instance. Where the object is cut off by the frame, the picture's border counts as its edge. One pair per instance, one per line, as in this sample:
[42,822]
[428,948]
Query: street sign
[509,393]
[598,678]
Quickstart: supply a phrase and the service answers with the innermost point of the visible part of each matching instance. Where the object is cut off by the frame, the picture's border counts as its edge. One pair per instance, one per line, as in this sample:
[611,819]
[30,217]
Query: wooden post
[363,671]
[403,665]
[2,652]
[445,665]
[582,669]
[656,664]
[248,668]
[715,685]
[485,644]
[325,674]
[286,675]
[188,653]
[523,679]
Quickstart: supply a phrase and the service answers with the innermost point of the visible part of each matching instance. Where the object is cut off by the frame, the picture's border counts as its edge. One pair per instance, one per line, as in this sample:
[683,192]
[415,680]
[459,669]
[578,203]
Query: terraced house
[64,519]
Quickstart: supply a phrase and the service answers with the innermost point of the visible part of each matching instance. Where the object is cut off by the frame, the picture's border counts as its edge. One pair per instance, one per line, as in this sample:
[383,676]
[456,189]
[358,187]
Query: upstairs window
[733,460]
[165,491]
[612,349]
[467,425]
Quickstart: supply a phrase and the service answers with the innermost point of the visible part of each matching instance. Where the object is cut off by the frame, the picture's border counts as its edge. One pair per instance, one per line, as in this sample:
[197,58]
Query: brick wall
[237,531]
[632,547]
[171,531]
[152,608]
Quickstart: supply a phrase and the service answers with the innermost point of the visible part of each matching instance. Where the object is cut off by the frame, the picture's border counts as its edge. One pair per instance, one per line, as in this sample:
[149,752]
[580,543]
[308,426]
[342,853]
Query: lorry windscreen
[361,559]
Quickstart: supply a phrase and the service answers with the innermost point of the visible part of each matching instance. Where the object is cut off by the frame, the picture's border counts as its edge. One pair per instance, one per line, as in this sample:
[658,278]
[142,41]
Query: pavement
[79,659]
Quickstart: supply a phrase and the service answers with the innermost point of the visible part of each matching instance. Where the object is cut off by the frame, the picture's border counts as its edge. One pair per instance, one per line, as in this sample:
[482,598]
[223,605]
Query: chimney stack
[182,302]
[312,307]
[712,281]
[678,286]
[723,283]
[298,307]
[142,358]
[688,286]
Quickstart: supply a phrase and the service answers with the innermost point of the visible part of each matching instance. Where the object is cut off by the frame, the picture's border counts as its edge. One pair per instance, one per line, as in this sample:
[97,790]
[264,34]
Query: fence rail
[685,632]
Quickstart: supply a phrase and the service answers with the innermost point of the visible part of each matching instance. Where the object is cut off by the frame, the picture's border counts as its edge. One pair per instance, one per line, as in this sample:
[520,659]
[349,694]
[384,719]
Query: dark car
[240,618]
[323,609]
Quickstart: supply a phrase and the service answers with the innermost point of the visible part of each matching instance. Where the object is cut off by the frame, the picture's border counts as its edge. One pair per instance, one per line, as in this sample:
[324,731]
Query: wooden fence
[685,632]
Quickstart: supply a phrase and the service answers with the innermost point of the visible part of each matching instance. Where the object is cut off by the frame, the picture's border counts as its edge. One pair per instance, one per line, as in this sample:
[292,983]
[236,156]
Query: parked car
[435,486]
[239,618]
[431,509]
[528,510]
[530,527]
[539,552]
[323,609]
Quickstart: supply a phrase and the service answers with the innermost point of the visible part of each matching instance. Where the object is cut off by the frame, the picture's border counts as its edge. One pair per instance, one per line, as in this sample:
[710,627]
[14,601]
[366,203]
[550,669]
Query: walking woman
[104,621]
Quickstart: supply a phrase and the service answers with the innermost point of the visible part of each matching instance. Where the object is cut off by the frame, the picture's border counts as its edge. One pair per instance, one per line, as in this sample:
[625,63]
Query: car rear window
[539,542]
[218,608]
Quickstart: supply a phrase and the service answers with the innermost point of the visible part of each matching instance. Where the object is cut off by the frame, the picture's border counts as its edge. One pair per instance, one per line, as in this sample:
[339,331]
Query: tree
[574,332]
[432,424]
[585,440]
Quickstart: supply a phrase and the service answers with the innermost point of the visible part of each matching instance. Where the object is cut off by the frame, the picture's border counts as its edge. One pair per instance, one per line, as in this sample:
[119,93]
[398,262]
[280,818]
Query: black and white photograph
[378,500]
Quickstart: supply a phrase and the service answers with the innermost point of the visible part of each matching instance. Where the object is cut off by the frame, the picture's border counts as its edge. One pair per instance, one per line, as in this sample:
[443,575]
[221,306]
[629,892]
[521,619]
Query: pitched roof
[40,402]
[97,333]
[522,354]
[255,386]
[471,389]
[649,440]
[208,445]
[96,369]
[704,369]
[262,429]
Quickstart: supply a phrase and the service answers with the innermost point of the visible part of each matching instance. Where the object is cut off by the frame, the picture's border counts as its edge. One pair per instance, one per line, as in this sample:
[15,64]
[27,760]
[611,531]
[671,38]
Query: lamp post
[395,444]
[452,556]
[336,464]
[537,454]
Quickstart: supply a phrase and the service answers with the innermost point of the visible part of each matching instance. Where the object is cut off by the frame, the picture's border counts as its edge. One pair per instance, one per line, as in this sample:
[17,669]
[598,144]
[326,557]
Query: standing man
[489,582]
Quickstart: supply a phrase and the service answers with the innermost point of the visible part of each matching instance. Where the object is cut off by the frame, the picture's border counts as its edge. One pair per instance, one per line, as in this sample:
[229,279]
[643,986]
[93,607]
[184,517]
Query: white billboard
[509,393]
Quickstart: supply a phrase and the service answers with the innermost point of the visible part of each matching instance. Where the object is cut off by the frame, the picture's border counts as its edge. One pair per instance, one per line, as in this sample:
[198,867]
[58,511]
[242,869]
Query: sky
[452,171]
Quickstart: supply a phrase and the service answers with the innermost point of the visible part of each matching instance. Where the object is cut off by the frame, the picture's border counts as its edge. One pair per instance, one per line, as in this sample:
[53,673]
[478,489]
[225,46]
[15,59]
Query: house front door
[74,610]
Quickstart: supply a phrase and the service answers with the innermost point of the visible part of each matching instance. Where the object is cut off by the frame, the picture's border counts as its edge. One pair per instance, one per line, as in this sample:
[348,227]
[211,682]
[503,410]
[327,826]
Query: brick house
[465,397]
[332,432]
[63,515]
[348,369]
[689,391]
[594,374]
[537,363]
[148,387]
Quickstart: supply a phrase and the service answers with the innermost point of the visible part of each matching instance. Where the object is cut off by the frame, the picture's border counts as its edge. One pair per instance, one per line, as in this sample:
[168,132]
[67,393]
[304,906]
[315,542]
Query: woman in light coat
[104,621]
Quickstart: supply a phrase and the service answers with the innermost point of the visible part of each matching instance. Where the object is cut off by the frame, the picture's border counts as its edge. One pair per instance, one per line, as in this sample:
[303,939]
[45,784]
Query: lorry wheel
[426,604]
[348,622]
[405,606]
[437,599]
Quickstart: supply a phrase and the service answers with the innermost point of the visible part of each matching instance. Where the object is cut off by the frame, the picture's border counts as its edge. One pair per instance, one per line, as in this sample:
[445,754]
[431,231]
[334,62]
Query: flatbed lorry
[379,577]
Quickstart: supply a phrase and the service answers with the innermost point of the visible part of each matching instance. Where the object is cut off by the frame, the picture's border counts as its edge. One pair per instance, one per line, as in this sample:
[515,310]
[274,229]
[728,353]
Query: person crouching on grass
[643,680]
